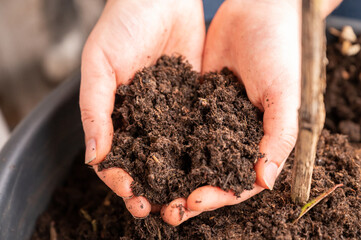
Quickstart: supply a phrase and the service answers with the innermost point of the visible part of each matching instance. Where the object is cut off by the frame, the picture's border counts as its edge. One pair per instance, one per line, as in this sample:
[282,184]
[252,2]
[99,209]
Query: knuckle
[87,115]
[287,142]
[93,115]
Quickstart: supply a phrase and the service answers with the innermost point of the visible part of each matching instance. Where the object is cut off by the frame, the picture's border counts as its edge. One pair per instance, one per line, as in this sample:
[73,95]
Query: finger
[118,180]
[97,91]
[280,124]
[177,212]
[139,207]
[209,198]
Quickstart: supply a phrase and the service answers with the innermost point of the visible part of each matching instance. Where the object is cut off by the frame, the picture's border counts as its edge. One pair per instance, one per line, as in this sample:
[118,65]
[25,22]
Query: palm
[128,36]
[133,34]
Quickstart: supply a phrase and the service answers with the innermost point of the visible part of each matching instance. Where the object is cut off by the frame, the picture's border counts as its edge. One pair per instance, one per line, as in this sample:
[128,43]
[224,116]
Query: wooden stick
[312,110]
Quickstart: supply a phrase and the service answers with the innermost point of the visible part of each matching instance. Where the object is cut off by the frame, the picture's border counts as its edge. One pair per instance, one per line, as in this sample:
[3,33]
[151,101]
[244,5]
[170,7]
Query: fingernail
[270,174]
[91,151]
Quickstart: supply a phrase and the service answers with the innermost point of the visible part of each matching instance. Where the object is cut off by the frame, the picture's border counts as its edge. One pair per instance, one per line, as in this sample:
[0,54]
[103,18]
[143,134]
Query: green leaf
[316,200]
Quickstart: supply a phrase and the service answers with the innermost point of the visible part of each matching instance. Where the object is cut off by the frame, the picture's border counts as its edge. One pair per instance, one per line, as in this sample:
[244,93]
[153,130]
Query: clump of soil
[174,134]
[343,93]
[83,208]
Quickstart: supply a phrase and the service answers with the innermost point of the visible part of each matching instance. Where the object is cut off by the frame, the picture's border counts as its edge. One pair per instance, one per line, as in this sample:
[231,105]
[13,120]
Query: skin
[258,40]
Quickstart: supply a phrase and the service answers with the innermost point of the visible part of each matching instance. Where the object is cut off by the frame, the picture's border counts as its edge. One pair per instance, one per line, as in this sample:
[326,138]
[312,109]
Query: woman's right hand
[131,35]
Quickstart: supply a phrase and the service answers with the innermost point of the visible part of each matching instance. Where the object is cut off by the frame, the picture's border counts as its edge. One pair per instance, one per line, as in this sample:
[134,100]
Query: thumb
[97,92]
[280,124]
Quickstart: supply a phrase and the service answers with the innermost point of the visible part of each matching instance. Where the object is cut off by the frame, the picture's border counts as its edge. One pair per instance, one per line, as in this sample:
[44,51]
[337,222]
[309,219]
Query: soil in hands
[343,94]
[174,133]
[83,208]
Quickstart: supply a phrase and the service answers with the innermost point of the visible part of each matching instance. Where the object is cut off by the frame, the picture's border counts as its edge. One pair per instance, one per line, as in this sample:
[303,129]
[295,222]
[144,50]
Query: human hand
[129,36]
[260,42]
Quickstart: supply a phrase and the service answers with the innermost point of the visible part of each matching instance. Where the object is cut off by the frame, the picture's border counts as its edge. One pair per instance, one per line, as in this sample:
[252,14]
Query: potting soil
[174,134]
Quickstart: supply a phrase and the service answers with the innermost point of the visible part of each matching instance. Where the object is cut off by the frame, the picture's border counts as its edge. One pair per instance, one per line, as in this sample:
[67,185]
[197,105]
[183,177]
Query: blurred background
[41,43]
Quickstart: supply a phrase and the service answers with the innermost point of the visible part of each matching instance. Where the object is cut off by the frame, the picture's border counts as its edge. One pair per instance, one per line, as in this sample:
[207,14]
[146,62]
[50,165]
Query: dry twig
[312,110]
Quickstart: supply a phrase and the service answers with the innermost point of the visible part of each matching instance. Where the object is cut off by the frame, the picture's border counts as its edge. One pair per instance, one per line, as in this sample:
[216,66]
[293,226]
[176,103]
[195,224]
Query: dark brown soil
[173,134]
[343,94]
[268,215]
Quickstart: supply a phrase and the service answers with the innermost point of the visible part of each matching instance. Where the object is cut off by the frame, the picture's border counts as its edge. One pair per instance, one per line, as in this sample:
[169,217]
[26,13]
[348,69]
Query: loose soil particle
[343,93]
[268,215]
[174,134]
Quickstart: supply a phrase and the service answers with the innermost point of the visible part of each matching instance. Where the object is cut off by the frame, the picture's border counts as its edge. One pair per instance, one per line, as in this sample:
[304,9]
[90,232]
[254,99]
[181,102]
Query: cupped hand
[260,42]
[129,36]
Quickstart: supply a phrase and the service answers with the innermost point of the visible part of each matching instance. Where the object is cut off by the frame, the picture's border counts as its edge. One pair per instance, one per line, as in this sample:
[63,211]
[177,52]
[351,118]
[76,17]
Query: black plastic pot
[40,151]
[36,158]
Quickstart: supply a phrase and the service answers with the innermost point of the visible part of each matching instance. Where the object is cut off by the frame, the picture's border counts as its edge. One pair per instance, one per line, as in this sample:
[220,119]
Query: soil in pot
[84,208]
[343,93]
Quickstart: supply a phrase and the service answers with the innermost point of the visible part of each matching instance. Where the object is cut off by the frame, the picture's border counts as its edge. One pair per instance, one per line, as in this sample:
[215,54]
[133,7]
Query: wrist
[290,5]
[255,4]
